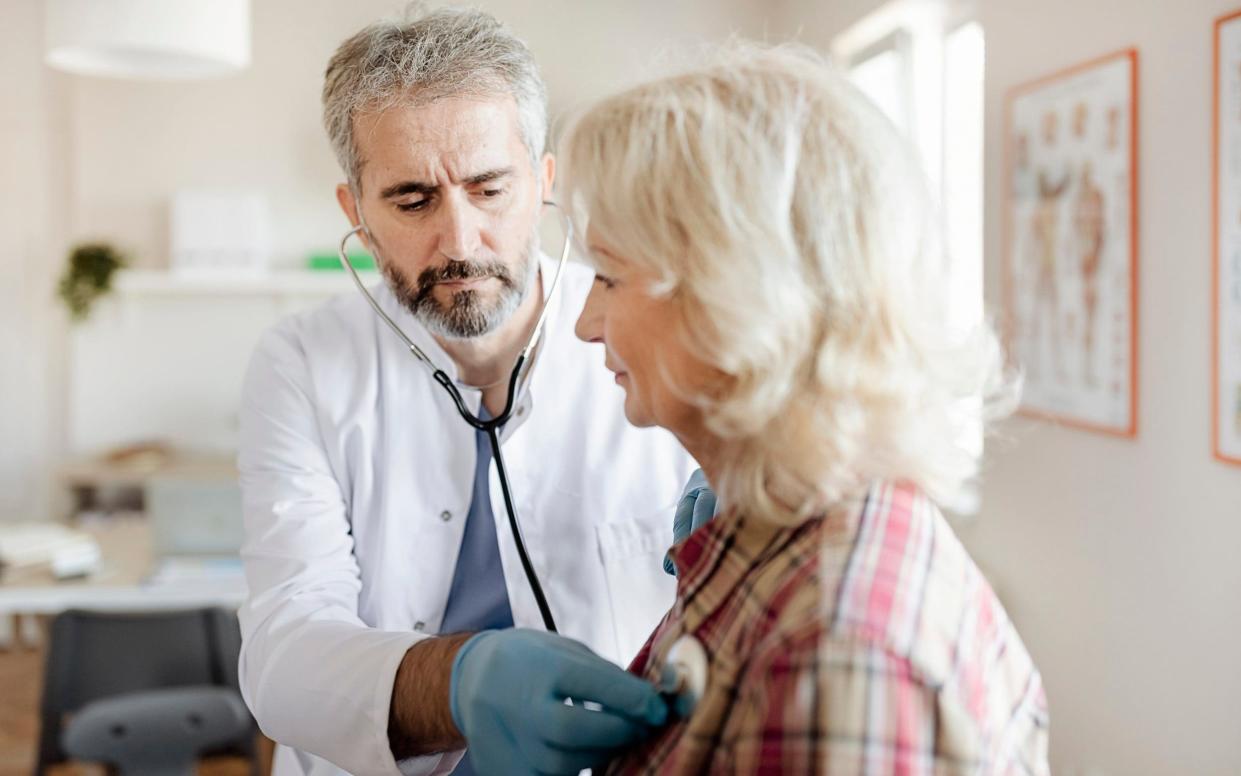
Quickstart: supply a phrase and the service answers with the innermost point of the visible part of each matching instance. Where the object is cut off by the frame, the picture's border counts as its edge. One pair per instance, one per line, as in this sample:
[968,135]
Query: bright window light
[881,77]
[922,64]
[962,194]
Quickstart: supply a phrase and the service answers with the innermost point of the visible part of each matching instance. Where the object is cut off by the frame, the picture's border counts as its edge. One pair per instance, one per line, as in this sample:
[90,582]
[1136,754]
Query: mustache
[464,270]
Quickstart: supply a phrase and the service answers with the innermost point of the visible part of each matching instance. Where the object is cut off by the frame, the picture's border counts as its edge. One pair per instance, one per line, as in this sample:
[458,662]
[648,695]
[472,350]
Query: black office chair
[105,659]
[157,732]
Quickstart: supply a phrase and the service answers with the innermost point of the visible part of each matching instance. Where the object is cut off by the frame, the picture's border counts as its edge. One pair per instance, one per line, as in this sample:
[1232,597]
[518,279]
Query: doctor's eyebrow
[489,176]
[402,188]
[408,187]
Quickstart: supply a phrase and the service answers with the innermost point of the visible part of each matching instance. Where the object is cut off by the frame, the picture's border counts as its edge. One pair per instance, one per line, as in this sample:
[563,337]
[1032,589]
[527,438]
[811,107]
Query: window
[882,73]
[922,62]
[963,173]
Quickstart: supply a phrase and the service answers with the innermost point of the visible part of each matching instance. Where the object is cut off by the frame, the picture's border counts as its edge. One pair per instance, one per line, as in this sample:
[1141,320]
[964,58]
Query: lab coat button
[521,411]
[445,515]
[419,626]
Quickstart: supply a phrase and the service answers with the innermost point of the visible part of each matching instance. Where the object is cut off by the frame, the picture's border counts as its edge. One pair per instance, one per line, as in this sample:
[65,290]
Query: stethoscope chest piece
[683,677]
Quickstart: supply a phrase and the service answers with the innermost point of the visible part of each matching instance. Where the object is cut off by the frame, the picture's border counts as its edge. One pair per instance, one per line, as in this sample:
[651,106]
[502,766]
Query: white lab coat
[357,475]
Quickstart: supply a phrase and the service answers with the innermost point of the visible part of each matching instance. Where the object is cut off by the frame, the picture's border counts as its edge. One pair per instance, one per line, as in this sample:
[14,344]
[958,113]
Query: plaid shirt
[866,642]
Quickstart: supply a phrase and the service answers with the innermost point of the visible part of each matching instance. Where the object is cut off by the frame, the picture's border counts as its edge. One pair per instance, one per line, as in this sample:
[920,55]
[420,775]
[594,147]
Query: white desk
[120,585]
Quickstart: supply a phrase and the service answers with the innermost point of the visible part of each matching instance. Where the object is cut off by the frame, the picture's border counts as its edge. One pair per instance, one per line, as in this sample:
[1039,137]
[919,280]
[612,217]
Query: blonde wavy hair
[791,225]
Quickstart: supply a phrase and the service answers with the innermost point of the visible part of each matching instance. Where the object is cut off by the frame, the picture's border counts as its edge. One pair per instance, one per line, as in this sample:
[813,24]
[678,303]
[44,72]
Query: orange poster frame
[1216,444]
[1130,431]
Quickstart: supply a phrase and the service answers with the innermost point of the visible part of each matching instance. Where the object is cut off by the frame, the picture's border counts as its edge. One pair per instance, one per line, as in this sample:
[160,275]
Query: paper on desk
[68,552]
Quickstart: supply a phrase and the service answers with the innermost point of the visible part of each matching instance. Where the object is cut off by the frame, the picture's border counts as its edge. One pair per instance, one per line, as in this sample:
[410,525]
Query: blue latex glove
[508,694]
[697,506]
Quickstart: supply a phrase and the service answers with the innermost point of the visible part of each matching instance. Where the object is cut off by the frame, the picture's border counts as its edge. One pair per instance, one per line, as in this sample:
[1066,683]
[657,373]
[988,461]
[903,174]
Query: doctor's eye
[410,207]
[492,192]
[608,283]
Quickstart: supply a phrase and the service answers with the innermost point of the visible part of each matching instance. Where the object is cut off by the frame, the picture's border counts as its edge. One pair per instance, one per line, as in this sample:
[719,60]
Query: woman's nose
[589,327]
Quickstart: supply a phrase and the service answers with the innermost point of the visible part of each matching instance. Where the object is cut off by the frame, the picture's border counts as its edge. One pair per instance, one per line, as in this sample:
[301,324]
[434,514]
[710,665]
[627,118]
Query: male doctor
[384,579]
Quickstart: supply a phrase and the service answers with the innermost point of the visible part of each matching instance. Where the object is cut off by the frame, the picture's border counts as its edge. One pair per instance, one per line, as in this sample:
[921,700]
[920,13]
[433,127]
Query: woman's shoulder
[848,572]
[906,585]
[895,605]
[889,572]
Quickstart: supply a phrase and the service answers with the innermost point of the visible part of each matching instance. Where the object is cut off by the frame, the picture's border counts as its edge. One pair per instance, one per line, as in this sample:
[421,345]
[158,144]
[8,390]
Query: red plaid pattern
[866,642]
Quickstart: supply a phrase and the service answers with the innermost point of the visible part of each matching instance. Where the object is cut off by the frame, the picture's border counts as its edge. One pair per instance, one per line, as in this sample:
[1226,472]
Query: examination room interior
[1108,521]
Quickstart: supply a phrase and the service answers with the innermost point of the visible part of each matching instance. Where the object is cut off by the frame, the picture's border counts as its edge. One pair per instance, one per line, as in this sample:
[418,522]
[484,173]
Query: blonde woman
[768,291]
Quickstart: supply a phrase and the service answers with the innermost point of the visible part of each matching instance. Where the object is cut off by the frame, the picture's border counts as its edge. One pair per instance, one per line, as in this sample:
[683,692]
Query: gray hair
[447,52]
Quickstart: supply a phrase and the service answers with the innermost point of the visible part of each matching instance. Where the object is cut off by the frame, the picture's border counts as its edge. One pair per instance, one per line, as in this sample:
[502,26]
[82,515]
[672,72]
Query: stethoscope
[491,426]
[683,675]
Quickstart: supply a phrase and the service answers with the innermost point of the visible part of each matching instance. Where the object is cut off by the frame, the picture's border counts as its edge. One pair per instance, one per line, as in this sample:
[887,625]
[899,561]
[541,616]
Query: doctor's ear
[547,176]
[349,204]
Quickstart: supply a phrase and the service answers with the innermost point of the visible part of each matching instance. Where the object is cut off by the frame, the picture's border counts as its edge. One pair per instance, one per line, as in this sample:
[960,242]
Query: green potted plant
[88,276]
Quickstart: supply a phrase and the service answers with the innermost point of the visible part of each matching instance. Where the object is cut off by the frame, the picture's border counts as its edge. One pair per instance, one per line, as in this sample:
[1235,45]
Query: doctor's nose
[589,327]
[460,230]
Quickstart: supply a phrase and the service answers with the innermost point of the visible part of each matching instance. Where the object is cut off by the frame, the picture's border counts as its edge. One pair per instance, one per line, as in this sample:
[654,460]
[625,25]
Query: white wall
[1119,559]
[1124,554]
[136,143]
[33,219]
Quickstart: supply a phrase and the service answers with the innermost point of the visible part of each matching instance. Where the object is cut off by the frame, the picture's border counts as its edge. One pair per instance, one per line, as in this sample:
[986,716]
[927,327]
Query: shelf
[147,282]
[96,471]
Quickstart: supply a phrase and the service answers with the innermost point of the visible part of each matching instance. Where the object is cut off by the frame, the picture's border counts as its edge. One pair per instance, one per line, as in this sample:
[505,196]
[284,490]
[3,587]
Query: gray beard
[467,314]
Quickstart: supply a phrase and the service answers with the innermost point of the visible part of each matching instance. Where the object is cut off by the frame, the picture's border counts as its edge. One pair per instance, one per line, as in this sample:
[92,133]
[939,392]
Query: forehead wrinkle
[455,145]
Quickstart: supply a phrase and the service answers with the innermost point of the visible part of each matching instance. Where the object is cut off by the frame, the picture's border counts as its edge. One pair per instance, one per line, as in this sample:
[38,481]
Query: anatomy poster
[1226,410]
[1071,243]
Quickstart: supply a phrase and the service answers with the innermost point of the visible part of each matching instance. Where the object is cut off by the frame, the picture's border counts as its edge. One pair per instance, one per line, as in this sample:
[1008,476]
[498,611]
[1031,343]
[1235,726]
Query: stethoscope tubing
[491,426]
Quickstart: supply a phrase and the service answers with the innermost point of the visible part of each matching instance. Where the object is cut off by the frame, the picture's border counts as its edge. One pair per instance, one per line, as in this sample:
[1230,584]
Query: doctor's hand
[508,696]
[697,506]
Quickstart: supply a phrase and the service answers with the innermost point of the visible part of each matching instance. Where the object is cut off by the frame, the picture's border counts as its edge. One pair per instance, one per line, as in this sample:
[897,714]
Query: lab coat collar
[547,272]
